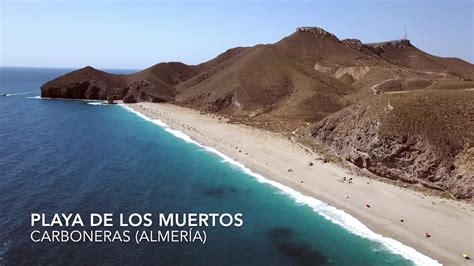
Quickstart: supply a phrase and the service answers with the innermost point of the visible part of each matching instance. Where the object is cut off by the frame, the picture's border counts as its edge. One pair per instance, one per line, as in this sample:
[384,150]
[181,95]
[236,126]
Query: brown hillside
[403,53]
[422,137]
[311,45]
[262,80]
[171,73]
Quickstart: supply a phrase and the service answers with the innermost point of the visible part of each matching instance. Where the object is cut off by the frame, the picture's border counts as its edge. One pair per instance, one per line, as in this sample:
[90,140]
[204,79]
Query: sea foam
[97,103]
[331,213]
[88,101]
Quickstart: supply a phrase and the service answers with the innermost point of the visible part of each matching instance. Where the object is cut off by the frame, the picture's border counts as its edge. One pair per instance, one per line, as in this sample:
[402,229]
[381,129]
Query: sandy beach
[450,223]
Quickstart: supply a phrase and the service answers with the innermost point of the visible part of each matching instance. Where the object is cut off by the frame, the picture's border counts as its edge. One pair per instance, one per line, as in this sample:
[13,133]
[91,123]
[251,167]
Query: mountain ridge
[311,81]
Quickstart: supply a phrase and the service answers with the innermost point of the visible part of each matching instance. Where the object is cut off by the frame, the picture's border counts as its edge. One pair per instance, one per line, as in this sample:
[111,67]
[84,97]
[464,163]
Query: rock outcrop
[317,31]
[395,44]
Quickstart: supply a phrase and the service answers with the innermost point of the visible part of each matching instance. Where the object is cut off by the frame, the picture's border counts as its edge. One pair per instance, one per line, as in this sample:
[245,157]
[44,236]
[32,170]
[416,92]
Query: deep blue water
[61,156]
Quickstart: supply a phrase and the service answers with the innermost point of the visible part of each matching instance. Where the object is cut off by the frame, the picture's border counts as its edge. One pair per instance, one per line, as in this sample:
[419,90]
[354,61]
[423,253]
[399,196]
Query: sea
[75,156]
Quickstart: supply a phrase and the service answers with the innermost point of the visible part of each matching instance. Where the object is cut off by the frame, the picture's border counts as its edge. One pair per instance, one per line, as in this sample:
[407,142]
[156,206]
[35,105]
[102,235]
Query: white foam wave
[331,213]
[97,103]
[88,101]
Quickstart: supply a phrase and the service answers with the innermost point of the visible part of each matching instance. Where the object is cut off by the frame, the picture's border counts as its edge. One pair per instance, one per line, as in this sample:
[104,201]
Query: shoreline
[271,156]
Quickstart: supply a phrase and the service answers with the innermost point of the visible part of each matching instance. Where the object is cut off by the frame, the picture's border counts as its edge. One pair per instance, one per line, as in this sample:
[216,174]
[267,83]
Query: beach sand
[450,223]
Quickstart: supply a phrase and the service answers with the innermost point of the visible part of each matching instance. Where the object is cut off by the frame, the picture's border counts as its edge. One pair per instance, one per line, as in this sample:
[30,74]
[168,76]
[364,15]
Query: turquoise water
[61,156]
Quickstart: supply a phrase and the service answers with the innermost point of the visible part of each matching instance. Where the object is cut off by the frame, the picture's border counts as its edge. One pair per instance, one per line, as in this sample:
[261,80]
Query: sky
[137,34]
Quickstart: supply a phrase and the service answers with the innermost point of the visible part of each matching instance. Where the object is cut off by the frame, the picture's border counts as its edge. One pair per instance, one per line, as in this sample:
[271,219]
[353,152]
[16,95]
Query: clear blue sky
[137,34]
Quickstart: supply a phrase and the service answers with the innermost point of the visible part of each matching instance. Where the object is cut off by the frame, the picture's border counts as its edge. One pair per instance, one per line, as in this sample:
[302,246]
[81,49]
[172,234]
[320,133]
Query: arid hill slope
[418,137]
[389,107]
[262,80]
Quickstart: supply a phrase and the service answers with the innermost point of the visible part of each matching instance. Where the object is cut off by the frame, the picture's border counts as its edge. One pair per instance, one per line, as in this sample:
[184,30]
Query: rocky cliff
[420,137]
[154,84]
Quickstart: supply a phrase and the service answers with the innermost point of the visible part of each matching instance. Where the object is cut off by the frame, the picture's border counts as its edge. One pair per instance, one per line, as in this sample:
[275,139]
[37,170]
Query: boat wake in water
[19,93]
